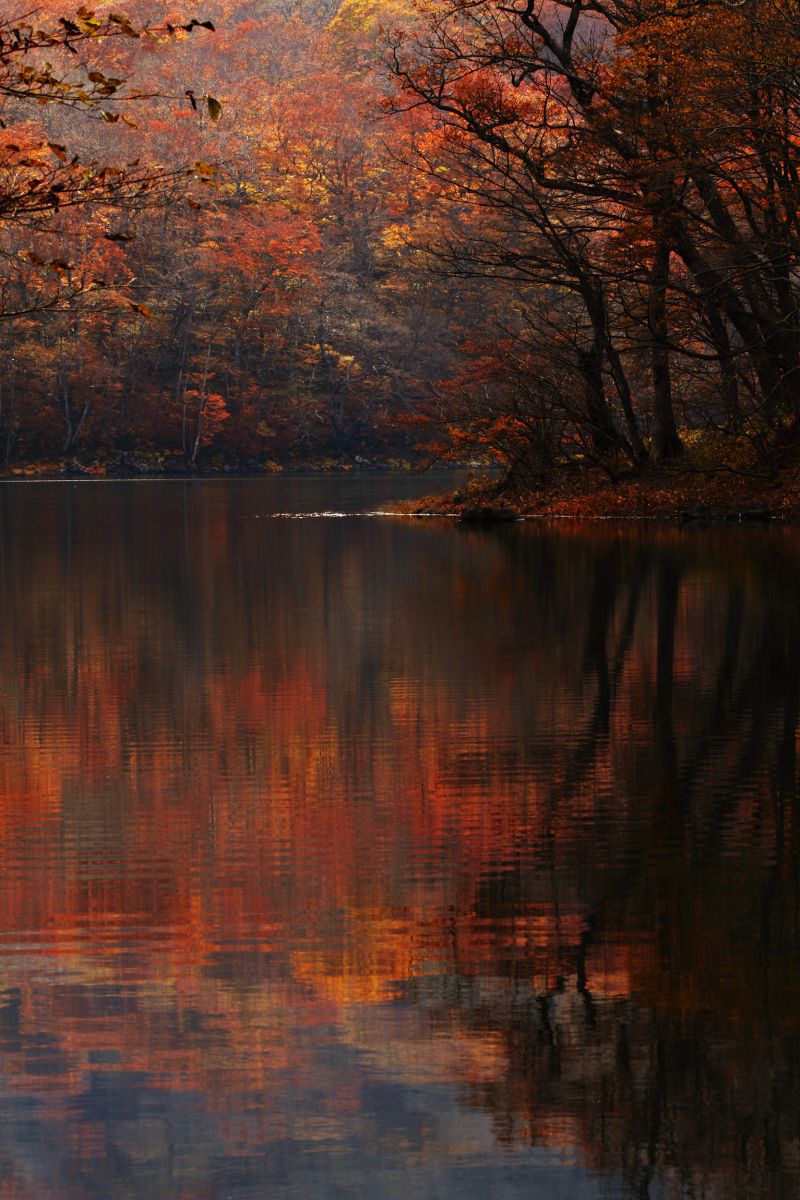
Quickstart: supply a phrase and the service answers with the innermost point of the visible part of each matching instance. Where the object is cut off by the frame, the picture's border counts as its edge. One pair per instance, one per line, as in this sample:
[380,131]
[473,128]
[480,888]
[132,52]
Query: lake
[364,857]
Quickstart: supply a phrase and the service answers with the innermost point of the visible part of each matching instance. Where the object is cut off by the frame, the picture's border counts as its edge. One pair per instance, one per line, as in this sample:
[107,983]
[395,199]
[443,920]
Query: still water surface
[369,858]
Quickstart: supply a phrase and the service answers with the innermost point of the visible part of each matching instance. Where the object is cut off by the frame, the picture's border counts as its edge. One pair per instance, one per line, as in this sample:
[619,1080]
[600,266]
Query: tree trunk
[721,342]
[753,327]
[594,299]
[665,442]
[605,439]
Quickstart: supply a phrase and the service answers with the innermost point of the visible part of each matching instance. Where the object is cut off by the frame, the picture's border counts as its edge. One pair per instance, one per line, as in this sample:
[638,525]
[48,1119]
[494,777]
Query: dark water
[369,858]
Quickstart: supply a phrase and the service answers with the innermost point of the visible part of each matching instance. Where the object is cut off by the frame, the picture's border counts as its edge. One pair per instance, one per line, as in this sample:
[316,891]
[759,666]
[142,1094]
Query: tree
[52,66]
[579,130]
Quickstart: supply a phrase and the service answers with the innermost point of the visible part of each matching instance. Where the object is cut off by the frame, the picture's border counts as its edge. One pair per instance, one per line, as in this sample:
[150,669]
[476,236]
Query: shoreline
[174,469]
[676,495]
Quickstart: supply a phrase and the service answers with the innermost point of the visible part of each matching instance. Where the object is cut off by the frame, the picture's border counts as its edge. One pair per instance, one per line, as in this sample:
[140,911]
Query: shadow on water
[343,857]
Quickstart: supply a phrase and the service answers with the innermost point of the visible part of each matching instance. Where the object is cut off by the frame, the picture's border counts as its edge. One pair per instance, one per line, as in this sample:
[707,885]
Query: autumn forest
[257,234]
[345,855]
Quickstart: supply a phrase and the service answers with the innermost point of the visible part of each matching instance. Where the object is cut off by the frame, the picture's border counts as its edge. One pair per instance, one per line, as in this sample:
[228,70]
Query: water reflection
[359,857]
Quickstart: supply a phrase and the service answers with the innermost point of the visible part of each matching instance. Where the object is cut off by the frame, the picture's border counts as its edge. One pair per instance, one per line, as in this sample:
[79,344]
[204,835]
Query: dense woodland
[292,231]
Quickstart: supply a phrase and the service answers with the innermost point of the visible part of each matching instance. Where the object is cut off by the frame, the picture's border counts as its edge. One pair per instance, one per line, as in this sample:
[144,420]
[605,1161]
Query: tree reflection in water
[511,811]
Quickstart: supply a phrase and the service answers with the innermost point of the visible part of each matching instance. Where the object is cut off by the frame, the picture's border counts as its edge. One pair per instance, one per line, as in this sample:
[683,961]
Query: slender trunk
[604,437]
[716,284]
[75,427]
[789,349]
[665,443]
[202,401]
[10,424]
[180,398]
[62,397]
[180,385]
[594,299]
[721,342]
[335,387]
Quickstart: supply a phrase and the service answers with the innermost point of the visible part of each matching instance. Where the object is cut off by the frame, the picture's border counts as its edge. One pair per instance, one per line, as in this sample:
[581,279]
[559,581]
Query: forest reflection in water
[361,857]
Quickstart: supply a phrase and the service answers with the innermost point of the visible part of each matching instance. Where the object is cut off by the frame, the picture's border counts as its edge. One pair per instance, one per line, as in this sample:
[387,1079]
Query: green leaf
[214,108]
